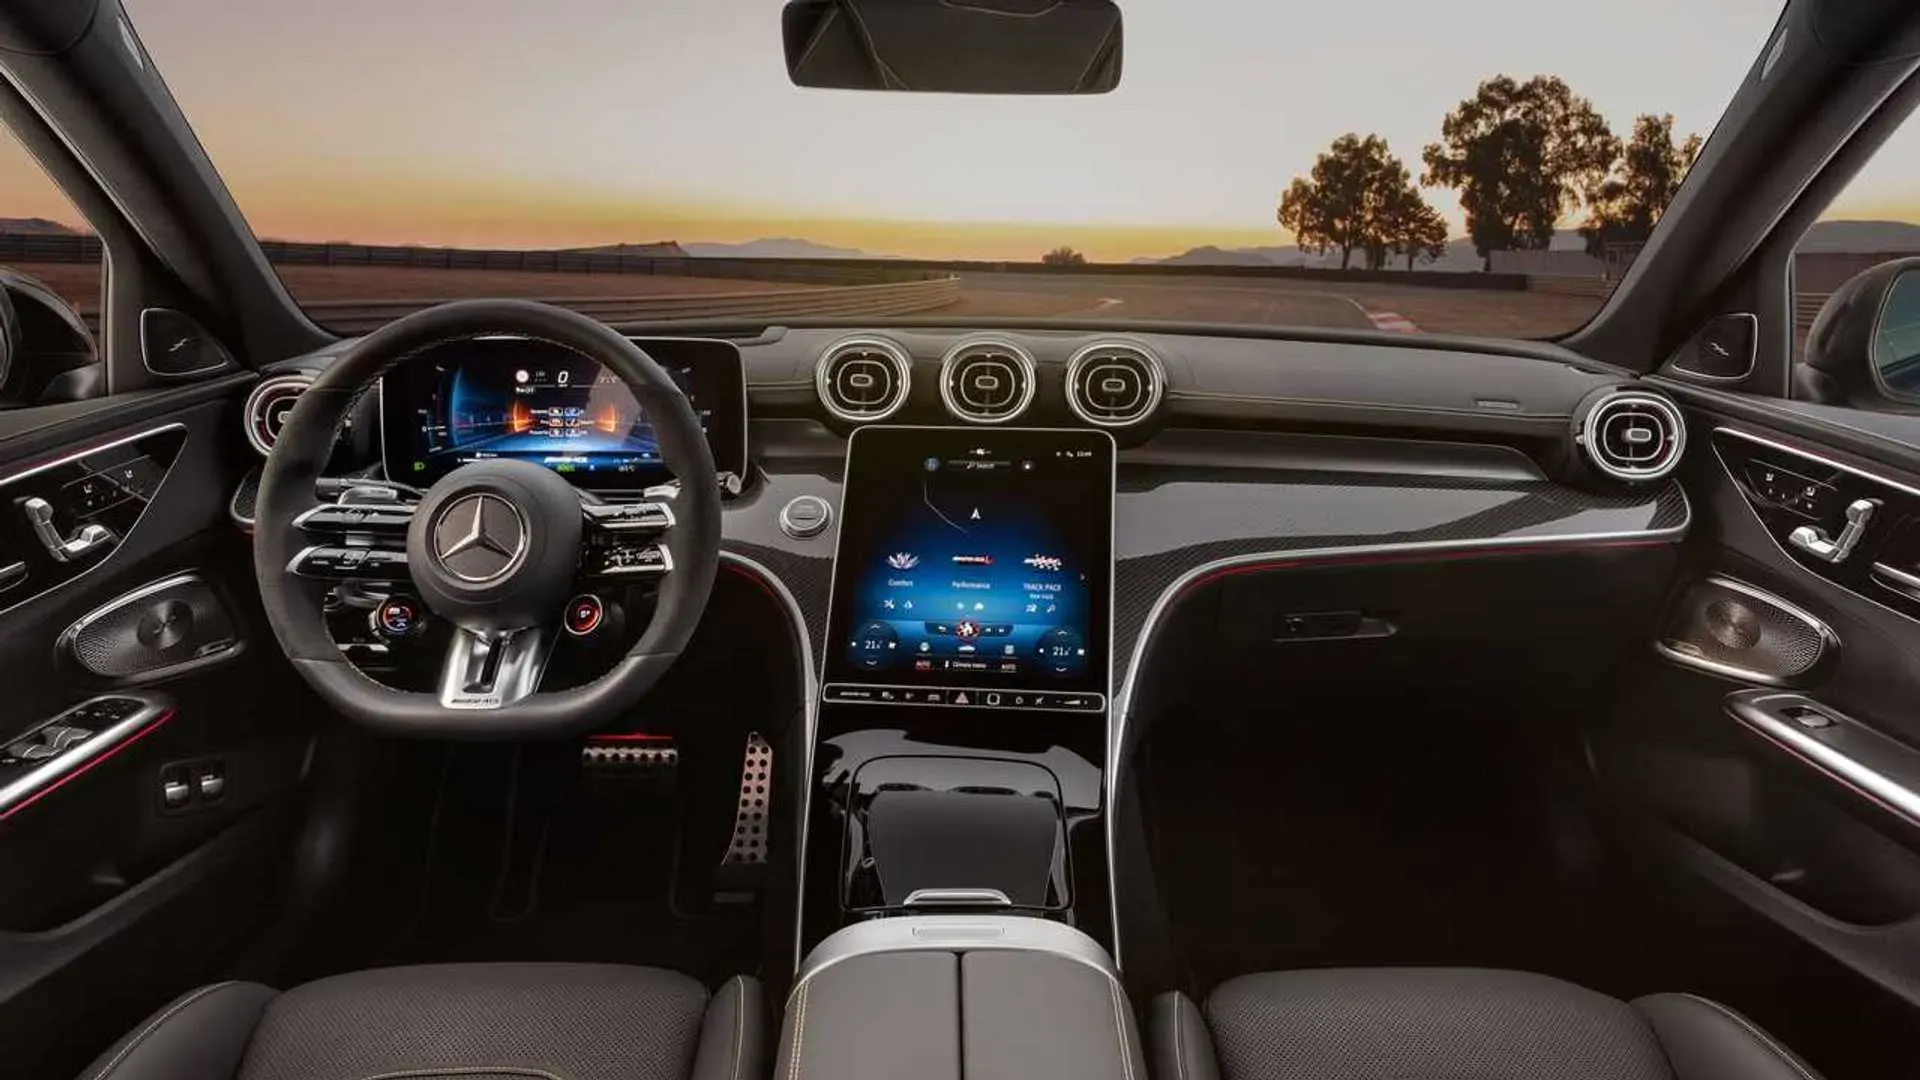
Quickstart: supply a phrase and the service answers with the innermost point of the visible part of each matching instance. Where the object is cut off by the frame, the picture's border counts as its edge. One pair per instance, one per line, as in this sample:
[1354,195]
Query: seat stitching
[1120,1030]
[1764,1039]
[154,1024]
[799,1033]
[740,1026]
[1179,1021]
[469,1070]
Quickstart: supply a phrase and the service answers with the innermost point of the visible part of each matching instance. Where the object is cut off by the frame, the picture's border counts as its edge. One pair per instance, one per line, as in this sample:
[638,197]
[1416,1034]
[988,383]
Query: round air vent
[269,406]
[987,380]
[1633,435]
[861,380]
[1114,384]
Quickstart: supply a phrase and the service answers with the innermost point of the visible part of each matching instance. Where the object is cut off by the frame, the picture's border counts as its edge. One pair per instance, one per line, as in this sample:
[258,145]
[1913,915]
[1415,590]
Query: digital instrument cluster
[974,570]
[491,398]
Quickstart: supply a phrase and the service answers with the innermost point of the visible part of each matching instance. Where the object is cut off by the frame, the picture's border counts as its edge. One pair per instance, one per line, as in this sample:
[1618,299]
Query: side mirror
[1864,346]
[954,46]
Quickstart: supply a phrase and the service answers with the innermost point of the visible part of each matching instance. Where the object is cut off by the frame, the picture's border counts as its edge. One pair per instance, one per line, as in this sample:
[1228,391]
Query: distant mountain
[775,248]
[1860,237]
[36,226]
[1213,256]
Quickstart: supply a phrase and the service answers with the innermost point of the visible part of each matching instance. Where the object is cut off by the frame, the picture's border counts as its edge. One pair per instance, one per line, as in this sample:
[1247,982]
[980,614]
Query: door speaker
[154,632]
[1734,630]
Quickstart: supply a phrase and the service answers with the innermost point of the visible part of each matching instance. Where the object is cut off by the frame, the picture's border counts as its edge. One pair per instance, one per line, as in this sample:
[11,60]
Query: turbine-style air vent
[268,407]
[987,380]
[1633,435]
[1114,384]
[861,380]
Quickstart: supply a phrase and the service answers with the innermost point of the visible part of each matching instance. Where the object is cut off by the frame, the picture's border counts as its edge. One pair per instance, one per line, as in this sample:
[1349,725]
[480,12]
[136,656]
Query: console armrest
[936,997]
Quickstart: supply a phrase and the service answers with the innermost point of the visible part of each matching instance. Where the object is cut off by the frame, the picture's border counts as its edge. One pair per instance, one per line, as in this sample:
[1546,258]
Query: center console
[962,721]
[942,997]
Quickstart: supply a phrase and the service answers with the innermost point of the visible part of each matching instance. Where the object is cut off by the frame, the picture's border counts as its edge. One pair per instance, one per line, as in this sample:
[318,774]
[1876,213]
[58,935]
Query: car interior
[950,696]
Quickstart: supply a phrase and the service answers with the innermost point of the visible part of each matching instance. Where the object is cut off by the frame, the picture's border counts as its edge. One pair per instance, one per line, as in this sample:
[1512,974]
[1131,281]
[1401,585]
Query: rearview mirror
[954,46]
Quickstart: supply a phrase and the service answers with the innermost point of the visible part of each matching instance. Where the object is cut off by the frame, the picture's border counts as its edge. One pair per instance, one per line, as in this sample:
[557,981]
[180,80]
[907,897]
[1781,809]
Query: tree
[1340,205]
[1626,205]
[1413,228]
[1063,256]
[1521,155]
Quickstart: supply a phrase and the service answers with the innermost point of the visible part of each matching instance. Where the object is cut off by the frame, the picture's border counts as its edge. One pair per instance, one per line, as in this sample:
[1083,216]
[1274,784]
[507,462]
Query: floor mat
[543,866]
[1288,842]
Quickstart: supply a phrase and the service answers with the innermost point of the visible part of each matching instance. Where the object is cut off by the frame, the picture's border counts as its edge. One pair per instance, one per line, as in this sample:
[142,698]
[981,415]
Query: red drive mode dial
[585,613]
[398,616]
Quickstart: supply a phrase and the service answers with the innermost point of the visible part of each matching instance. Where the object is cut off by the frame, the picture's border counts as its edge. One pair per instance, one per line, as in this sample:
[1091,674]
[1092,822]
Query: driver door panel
[1764,793]
[144,865]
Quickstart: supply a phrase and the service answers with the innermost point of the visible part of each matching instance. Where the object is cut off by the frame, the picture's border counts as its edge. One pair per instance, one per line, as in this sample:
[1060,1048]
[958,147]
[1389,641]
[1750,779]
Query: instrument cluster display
[974,569]
[493,398]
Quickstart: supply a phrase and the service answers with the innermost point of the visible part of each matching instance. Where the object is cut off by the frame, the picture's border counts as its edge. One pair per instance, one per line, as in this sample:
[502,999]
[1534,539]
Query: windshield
[1480,166]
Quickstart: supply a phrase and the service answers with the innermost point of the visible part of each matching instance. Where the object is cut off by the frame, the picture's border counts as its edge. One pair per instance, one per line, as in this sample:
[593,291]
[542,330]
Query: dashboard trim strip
[1289,558]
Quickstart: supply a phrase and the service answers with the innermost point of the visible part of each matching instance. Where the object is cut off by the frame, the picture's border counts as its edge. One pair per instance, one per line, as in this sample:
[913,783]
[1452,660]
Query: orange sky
[501,123]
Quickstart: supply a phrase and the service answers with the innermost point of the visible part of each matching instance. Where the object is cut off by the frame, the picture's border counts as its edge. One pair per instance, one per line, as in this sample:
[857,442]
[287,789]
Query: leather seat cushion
[454,1022]
[1453,1024]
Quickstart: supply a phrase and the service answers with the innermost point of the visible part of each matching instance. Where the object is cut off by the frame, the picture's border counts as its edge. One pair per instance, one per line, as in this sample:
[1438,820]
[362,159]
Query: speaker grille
[1731,629]
[159,630]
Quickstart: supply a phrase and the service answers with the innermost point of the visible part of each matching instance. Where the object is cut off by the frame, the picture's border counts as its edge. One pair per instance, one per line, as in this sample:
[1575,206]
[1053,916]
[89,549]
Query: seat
[1452,1024]
[454,1022]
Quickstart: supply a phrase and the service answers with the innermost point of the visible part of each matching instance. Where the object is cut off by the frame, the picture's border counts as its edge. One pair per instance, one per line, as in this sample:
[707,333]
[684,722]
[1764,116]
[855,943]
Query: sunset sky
[515,123]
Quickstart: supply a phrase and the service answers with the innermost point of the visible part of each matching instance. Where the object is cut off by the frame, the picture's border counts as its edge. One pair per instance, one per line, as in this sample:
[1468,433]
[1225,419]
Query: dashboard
[1194,457]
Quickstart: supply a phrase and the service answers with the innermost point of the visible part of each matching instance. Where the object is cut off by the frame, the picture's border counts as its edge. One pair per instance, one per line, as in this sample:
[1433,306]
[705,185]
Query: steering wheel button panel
[633,560]
[631,517]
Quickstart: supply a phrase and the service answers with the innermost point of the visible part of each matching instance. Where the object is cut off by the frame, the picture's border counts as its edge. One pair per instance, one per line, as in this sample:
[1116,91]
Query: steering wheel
[495,547]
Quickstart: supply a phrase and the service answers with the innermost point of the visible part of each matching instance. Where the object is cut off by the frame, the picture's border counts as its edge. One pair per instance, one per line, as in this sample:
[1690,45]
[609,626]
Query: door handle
[63,548]
[1810,539]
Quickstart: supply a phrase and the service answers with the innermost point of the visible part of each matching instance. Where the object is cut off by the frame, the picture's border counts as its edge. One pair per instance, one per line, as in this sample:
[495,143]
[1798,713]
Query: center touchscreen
[974,570]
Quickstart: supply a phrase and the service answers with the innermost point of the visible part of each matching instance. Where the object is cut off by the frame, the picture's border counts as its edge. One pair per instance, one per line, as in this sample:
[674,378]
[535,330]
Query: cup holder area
[929,834]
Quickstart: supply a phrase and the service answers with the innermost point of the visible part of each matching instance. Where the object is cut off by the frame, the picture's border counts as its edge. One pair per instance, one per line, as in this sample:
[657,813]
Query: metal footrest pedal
[743,868]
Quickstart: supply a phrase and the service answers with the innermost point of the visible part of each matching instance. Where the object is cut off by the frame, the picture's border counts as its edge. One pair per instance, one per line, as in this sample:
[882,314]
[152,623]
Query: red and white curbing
[1391,321]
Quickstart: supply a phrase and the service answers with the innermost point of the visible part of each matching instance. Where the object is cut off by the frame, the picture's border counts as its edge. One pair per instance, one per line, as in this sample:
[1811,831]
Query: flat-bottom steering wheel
[496,548]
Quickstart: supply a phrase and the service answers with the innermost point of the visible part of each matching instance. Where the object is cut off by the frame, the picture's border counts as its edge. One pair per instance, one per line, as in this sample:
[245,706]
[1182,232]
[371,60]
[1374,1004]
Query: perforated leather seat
[1452,1024]
[454,1022]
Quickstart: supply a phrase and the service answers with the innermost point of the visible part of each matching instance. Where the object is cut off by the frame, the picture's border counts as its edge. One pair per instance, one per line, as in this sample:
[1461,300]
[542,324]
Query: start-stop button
[585,613]
[805,517]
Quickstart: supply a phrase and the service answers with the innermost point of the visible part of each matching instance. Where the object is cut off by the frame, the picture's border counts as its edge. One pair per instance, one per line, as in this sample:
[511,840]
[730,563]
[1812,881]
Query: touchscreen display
[974,570]
[514,398]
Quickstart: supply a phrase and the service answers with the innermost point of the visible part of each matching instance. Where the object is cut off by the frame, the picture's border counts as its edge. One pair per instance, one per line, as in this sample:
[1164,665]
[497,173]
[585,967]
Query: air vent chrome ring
[1115,384]
[268,405]
[1634,436]
[863,379]
[987,380]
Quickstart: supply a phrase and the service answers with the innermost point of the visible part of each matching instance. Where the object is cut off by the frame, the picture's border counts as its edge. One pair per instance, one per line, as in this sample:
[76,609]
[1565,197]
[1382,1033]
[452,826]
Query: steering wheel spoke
[361,537]
[626,541]
[493,670]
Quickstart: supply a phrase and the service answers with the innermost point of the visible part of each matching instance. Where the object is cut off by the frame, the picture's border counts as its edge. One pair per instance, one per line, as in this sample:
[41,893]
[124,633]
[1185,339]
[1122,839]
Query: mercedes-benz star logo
[479,538]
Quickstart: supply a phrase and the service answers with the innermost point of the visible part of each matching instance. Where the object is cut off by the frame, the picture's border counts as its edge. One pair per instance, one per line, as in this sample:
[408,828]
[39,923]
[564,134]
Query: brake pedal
[615,764]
